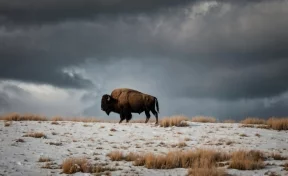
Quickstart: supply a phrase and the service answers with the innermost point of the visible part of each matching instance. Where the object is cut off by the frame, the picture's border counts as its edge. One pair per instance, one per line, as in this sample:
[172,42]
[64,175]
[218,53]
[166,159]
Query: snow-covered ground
[96,140]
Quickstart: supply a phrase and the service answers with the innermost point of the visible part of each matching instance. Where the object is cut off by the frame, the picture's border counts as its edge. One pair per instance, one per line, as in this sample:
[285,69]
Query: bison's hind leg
[147,113]
[155,114]
[121,119]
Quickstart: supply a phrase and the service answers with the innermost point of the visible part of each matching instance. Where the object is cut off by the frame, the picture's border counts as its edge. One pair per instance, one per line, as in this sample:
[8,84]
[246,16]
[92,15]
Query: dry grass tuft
[81,119]
[257,134]
[81,164]
[253,120]
[55,143]
[35,135]
[19,140]
[181,144]
[243,135]
[50,165]
[229,121]
[178,121]
[116,155]
[278,123]
[131,156]
[55,123]
[285,166]
[204,119]
[229,142]
[247,160]
[277,156]
[213,171]
[73,165]
[263,126]
[247,126]
[44,159]
[57,118]
[187,139]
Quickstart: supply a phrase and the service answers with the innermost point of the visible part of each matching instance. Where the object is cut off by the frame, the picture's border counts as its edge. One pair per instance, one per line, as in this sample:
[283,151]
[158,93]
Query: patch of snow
[89,139]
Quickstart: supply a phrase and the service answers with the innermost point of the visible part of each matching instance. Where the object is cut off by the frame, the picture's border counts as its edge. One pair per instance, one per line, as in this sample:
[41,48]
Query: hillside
[28,146]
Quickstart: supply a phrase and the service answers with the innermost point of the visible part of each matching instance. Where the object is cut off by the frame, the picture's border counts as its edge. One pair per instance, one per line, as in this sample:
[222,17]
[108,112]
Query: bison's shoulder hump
[117,92]
[120,90]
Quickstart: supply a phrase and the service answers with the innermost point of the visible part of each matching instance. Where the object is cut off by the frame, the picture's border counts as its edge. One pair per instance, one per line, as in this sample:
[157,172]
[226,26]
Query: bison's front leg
[128,117]
[122,117]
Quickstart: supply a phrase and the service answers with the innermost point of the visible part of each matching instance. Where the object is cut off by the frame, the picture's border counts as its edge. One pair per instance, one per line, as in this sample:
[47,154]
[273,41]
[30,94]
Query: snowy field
[95,140]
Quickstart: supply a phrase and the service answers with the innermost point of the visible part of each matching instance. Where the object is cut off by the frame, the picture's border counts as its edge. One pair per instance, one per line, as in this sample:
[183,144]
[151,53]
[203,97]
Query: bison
[125,101]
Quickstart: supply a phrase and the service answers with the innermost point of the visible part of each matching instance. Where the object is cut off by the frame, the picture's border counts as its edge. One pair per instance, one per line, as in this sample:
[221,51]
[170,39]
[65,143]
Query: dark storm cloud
[231,51]
[224,83]
[34,11]
[23,59]
[38,72]
[49,11]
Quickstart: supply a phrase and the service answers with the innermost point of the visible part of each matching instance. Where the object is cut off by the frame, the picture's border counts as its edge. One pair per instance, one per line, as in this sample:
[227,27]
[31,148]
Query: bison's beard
[107,112]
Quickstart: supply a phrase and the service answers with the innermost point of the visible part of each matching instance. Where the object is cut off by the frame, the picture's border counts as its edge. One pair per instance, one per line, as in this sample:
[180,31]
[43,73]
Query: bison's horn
[108,99]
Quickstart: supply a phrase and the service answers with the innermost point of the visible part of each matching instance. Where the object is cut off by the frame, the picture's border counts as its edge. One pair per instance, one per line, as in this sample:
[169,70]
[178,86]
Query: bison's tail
[157,104]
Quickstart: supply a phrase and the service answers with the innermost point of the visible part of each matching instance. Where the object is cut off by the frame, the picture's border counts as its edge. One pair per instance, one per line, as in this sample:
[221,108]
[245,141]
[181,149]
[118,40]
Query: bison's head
[107,104]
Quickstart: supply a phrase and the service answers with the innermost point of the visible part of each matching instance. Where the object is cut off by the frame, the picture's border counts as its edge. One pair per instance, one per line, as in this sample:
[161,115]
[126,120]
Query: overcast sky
[227,59]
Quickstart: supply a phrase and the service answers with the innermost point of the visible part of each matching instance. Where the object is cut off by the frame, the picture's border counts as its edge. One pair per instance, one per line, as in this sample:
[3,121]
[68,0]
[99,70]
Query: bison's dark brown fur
[126,101]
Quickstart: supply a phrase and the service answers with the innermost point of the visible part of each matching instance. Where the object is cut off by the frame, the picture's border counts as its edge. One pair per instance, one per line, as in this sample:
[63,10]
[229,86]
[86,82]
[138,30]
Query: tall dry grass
[44,159]
[178,121]
[278,123]
[36,117]
[278,156]
[23,117]
[247,160]
[253,120]
[73,165]
[198,158]
[212,171]
[82,119]
[116,156]
[57,118]
[272,123]
[81,164]
[203,119]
